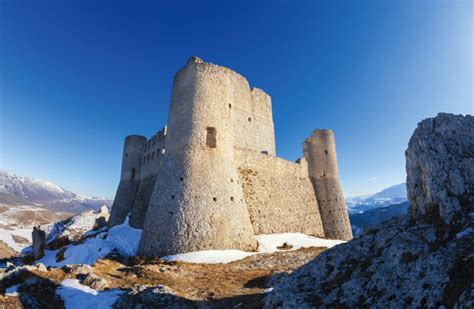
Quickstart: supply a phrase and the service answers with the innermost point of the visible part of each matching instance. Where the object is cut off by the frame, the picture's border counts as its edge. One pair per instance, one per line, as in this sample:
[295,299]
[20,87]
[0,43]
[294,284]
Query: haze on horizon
[76,77]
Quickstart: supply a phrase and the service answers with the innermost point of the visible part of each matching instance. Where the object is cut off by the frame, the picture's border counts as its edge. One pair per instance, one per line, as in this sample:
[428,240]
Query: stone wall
[278,194]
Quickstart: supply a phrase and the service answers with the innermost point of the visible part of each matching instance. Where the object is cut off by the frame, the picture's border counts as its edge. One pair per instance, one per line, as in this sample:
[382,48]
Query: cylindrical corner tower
[129,178]
[320,152]
[198,202]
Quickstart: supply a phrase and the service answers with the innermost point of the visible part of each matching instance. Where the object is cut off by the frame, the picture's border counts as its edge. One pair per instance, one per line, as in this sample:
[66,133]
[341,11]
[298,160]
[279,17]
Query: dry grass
[223,285]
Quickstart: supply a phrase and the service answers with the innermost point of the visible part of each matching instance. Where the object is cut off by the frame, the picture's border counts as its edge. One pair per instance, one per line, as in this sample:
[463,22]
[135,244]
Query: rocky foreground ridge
[425,261]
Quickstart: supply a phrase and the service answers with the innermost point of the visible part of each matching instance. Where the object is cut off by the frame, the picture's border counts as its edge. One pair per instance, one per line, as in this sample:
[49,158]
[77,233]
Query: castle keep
[211,178]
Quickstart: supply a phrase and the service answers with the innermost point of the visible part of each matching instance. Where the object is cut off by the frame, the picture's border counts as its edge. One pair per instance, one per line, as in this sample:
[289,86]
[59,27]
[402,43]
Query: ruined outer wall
[152,154]
[253,121]
[278,194]
[320,152]
[197,203]
[142,201]
[129,179]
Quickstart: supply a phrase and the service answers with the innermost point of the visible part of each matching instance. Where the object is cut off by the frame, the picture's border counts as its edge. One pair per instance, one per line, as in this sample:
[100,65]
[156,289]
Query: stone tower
[129,179]
[197,203]
[320,152]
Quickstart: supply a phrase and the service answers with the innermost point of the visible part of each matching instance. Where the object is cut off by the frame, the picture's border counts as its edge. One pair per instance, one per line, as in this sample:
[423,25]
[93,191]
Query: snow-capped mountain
[369,210]
[392,195]
[36,191]
[15,190]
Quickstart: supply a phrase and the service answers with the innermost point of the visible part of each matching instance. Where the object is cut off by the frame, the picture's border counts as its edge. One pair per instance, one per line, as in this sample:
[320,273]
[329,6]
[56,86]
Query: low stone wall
[278,194]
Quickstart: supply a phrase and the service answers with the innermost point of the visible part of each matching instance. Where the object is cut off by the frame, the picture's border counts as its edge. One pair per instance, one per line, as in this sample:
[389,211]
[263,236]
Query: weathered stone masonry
[211,180]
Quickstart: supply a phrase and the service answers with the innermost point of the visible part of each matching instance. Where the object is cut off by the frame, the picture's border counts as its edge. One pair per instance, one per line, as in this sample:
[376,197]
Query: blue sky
[76,77]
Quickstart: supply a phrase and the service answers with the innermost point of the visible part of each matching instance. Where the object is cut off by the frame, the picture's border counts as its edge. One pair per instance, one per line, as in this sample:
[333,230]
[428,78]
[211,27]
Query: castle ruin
[211,178]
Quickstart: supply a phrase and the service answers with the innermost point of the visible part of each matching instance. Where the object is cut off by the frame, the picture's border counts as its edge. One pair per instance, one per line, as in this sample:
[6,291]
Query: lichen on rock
[440,168]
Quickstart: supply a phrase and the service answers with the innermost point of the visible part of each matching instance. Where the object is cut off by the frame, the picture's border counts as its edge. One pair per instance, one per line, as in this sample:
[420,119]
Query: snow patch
[267,243]
[6,235]
[122,238]
[76,295]
[209,256]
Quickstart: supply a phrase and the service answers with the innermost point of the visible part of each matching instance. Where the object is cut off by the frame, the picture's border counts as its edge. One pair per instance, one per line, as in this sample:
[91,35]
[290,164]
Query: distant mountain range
[392,195]
[26,202]
[366,211]
[15,191]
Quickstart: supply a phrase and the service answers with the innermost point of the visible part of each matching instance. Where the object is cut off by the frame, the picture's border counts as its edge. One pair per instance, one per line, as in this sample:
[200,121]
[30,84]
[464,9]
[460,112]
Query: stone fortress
[211,178]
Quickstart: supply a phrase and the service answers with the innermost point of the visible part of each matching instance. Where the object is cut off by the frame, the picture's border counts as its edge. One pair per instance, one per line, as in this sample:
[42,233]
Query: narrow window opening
[214,199]
[181,178]
[231,180]
[249,119]
[230,105]
[326,151]
[264,152]
[172,197]
[126,155]
[132,176]
[232,198]
[211,137]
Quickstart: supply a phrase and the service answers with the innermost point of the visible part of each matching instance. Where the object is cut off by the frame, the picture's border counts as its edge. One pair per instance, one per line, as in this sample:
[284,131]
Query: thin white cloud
[371,179]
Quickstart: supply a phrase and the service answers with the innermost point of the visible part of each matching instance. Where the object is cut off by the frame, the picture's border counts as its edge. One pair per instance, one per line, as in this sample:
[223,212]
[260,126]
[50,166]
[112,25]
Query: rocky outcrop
[71,230]
[440,168]
[426,261]
[152,297]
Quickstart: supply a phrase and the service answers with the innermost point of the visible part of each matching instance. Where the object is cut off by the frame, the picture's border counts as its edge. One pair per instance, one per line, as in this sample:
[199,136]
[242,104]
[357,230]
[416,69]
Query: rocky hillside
[423,261]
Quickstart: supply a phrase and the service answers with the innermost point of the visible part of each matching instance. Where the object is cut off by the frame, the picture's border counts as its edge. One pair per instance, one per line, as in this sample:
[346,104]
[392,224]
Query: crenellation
[211,179]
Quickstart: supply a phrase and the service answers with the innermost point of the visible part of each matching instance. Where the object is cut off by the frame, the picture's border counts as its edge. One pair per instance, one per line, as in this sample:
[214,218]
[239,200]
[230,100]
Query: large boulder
[440,168]
[423,262]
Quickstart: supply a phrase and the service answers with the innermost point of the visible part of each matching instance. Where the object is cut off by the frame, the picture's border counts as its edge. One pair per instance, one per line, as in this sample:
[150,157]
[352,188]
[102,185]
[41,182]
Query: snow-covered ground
[7,236]
[76,295]
[209,256]
[125,240]
[267,243]
[16,226]
[122,238]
